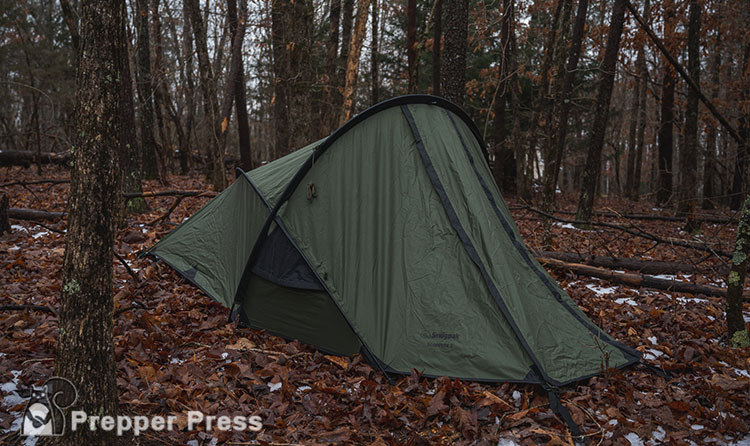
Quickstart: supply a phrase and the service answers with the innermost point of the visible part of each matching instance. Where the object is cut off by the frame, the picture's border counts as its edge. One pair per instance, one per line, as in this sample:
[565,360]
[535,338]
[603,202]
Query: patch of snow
[13,248]
[652,354]
[516,395]
[192,443]
[30,441]
[506,441]
[744,442]
[143,230]
[684,300]
[613,422]
[176,361]
[659,433]
[711,318]
[634,439]
[652,339]
[18,228]
[430,392]
[274,386]
[697,427]
[40,234]
[601,291]
[303,388]
[564,225]
[626,300]
[224,355]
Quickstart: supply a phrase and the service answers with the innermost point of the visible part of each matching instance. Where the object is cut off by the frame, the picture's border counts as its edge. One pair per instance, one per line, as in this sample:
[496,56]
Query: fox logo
[43,415]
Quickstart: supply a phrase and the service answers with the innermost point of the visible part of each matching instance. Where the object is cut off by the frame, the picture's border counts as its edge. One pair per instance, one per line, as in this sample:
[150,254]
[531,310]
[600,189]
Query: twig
[30,183]
[23,307]
[127,267]
[134,305]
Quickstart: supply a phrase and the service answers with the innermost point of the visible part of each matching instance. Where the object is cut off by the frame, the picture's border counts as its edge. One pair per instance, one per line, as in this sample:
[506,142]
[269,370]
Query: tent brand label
[444,341]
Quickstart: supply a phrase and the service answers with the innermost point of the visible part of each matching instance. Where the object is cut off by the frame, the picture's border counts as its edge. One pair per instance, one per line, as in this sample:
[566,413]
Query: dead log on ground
[30,183]
[34,214]
[171,193]
[629,263]
[705,219]
[28,157]
[634,280]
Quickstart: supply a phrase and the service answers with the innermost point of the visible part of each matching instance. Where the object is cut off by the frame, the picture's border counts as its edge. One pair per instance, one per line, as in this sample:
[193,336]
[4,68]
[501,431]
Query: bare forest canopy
[252,81]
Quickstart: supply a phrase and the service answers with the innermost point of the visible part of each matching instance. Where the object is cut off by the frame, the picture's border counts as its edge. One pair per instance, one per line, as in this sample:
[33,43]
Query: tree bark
[633,132]
[210,101]
[689,153]
[374,75]
[709,171]
[4,223]
[352,64]
[85,350]
[738,181]
[240,97]
[347,24]
[145,90]
[642,68]
[601,113]
[504,168]
[235,81]
[189,88]
[330,92]
[161,95]
[664,193]
[437,41]
[72,23]
[454,55]
[28,157]
[736,280]
[411,44]
[281,74]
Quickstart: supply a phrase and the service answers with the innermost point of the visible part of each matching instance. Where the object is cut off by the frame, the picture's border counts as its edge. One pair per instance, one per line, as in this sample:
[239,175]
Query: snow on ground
[626,300]
[652,339]
[564,225]
[601,291]
[652,353]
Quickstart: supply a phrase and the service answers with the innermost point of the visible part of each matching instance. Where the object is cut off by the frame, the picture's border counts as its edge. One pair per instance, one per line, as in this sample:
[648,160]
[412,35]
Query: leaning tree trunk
[601,113]
[736,282]
[454,50]
[85,350]
[504,168]
[145,91]
[689,153]
[210,101]
[664,191]
[352,64]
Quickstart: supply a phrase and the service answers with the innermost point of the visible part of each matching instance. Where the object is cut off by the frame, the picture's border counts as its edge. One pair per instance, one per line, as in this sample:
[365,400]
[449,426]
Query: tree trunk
[69,16]
[601,113]
[374,75]
[411,44]
[237,32]
[85,350]
[189,89]
[161,95]
[504,168]
[664,193]
[210,101]
[352,64]
[736,280]
[709,171]
[633,132]
[738,181]
[145,91]
[642,68]
[330,92]
[240,100]
[130,156]
[689,153]
[437,41]
[347,23]
[4,223]
[454,56]
[281,74]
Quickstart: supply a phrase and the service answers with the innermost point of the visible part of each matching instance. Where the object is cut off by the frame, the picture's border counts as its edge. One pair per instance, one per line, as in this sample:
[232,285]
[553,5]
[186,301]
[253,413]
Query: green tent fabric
[390,238]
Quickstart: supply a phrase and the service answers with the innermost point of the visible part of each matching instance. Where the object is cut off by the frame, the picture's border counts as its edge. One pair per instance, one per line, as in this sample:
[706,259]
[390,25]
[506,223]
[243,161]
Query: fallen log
[28,157]
[30,183]
[634,280]
[34,214]
[171,193]
[629,263]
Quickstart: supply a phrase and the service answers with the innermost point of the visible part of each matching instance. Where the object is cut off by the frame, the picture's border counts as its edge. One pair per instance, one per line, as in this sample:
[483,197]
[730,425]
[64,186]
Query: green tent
[390,238]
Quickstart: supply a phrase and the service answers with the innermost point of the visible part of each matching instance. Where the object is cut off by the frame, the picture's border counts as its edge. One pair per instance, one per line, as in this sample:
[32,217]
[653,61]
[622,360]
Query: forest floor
[176,352]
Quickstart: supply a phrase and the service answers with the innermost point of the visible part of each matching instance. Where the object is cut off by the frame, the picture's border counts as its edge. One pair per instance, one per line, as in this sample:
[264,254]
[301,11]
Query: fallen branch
[25,307]
[28,157]
[650,217]
[171,193]
[636,232]
[34,214]
[634,280]
[629,263]
[31,183]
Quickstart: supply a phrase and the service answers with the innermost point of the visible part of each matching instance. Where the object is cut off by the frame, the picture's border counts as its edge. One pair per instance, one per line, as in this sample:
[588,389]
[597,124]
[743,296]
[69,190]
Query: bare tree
[411,44]
[454,51]
[145,90]
[664,191]
[504,168]
[352,63]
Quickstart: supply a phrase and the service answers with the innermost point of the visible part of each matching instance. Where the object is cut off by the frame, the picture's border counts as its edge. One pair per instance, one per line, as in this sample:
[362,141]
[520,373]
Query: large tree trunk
[240,100]
[281,74]
[736,281]
[210,101]
[145,90]
[352,63]
[347,24]
[161,95]
[374,75]
[642,68]
[411,44]
[601,113]
[504,168]
[188,88]
[437,41]
[85,350]
[689,153]
[454,54]
[330,92]
[738,181]
[664,192]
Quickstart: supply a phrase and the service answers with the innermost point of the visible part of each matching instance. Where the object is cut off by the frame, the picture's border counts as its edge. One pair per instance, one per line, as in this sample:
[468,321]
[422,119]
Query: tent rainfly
[390,238]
